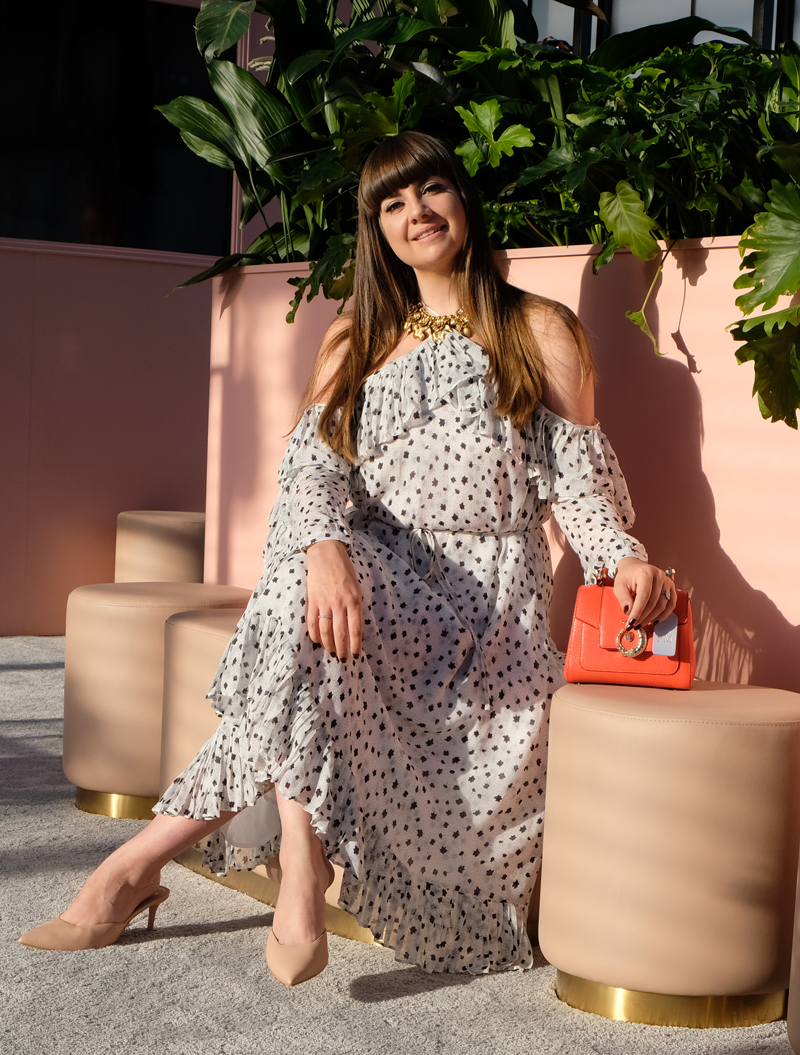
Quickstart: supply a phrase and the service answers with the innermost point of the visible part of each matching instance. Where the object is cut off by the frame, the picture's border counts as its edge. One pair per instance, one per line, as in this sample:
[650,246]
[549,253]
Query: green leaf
[305,63]
[225,263]
[557,160]
[623,50]
[605,256]
[482,119]
[384,30]
[324,171]
[472,155]
[207,151]
[202,121]
[492,21]
[772,344]
[259,113]
[751,195]
[623,214]
[220,24]
[773,242]
[330,273]
[638,319]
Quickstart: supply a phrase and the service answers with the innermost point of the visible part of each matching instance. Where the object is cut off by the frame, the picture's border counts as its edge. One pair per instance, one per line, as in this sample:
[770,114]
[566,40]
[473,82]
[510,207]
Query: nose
[419,208]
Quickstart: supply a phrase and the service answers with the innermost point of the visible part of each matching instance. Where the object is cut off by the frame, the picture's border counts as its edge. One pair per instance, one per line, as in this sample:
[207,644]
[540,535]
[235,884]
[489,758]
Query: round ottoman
[670,851]
[193,646]
[157,545]
[113,687]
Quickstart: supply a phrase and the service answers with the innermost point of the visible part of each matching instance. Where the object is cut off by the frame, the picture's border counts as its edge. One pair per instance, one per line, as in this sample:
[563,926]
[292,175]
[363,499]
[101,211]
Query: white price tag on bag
[665,636]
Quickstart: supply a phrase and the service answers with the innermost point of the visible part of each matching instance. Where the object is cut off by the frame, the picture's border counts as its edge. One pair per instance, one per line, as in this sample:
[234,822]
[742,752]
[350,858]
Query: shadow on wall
[652,409]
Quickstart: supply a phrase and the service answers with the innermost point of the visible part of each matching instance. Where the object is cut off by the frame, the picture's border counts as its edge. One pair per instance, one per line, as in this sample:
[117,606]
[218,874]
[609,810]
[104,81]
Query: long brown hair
[385,289]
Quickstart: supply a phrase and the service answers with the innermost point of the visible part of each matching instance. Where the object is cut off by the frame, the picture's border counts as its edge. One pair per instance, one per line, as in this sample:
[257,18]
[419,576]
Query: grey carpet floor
[199,982]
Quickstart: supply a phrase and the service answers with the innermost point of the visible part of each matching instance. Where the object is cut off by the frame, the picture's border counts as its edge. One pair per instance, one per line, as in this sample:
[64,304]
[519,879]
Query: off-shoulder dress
[423,760]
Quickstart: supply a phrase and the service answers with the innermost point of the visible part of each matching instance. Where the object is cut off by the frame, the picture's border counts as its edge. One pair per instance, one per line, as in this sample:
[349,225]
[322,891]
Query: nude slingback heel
[59,936]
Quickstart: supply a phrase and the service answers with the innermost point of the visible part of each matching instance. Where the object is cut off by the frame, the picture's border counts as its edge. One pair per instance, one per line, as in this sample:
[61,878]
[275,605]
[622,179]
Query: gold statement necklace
[422,323]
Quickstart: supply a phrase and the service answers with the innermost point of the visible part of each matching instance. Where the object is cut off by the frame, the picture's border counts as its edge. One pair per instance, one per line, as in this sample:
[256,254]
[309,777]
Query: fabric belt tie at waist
[426,556]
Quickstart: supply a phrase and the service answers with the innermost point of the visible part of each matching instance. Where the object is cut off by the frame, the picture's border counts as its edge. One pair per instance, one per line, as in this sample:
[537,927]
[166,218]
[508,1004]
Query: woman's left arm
[645,592]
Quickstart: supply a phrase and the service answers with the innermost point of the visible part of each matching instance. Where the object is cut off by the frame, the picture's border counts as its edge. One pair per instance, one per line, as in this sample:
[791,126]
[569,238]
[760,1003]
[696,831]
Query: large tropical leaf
[202,121]
[773,260]
[624,215]
[772,344]
[623,50]
[220,24]
[259,114]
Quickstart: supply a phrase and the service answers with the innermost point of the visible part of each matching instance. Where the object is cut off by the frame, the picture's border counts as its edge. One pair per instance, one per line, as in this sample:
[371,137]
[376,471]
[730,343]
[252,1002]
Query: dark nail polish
[629,624]
[655,622]
[638,626]
[625,609]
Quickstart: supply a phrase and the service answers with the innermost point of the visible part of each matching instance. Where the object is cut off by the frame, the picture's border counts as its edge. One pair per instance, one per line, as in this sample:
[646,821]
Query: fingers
[341,633]
[333,595]
[355,624]
[646,593]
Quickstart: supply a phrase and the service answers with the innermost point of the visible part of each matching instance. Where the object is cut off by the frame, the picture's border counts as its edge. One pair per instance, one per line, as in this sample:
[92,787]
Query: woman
[392,674]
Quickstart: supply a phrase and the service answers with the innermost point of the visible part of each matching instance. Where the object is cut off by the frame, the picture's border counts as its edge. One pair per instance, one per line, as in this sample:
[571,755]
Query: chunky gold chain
[423,323]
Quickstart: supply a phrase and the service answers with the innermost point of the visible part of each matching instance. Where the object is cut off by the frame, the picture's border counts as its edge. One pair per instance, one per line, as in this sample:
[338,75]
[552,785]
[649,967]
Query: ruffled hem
[435,929]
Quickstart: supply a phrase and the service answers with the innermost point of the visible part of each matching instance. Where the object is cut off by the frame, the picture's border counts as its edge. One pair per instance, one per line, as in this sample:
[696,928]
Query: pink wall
[103,407]
[715,486]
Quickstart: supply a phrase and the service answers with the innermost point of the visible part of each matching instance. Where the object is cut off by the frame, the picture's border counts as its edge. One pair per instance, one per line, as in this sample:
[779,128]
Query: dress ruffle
[432,927]
[416,384]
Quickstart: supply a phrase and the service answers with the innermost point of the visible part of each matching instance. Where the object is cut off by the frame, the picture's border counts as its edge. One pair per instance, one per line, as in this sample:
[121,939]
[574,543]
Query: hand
[332,589]
[640,590]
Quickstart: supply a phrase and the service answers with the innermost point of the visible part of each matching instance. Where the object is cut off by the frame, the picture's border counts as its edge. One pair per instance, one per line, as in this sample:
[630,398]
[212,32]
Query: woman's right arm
[334,614]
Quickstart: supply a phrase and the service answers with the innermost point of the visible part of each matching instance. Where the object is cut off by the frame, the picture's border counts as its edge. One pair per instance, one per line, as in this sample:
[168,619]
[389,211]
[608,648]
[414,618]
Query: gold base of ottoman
[107,804]
[258,885]
[661,1009]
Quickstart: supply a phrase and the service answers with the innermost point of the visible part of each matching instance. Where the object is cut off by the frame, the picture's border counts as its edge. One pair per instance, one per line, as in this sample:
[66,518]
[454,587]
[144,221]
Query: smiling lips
[428,232]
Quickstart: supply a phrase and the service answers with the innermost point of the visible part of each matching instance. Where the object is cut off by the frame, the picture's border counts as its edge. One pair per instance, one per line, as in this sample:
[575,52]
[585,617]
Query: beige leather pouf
[670,851]
[193,646]
[157,545]
[793,1003]
[113,687]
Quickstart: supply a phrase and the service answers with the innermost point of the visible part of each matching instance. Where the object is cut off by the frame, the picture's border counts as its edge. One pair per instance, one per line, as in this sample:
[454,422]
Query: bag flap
[597,606]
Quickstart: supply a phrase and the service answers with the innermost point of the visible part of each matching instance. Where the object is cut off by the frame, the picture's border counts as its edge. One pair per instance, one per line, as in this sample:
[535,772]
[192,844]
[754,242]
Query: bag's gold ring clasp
[624,639]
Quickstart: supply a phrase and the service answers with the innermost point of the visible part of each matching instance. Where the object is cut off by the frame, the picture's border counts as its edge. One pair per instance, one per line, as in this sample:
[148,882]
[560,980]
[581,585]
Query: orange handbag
[601,650]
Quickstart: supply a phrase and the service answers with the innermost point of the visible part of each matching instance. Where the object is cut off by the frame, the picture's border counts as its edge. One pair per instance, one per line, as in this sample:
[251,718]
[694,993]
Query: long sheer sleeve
[315,486]
[576,469]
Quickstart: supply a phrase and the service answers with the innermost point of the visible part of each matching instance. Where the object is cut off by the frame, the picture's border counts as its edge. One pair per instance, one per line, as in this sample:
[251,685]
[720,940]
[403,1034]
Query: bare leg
[300,912]
[131,873]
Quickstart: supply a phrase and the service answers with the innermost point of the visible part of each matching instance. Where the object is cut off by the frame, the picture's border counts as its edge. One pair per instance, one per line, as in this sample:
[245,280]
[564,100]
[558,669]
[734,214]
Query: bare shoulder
[331,356]
[569,376]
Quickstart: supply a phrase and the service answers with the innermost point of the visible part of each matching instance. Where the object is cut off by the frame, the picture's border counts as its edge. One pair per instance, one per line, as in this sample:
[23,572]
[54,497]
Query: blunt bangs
[399,161]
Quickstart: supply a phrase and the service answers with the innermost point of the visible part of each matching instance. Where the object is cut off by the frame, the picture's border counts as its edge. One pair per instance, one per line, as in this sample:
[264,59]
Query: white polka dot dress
[422,761]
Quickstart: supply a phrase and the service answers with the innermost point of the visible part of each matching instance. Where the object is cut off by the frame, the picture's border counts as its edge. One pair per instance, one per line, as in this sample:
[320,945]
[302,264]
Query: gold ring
[626,634]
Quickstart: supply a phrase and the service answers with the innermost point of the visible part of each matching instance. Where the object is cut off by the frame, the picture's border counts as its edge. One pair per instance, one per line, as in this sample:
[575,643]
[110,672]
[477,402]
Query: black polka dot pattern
[422,761]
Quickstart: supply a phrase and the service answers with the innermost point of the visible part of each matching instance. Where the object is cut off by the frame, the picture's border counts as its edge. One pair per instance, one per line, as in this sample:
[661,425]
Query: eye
[432,188]
[393,206]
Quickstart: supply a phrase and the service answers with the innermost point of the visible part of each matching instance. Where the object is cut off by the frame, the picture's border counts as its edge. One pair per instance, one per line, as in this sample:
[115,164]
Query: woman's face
[425,224]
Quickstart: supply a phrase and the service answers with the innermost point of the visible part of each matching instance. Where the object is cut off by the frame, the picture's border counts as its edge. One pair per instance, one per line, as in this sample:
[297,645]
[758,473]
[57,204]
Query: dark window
[86,157]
